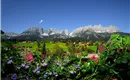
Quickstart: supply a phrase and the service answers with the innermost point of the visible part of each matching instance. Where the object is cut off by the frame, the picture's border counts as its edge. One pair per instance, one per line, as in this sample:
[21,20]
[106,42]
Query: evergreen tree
[38,44]
[1,32]
[44,48]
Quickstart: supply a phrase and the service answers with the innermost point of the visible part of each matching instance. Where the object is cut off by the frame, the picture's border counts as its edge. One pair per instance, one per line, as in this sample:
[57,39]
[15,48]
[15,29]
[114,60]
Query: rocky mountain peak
[86,32]
[33,30]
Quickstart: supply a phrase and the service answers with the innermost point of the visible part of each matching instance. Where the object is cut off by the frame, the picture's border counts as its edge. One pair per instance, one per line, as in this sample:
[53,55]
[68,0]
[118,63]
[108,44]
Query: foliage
[91,49]
[71,49]
[118,41]
[84,53]
[44,48]
[57,50]
[110,64]
[38,44]
[9,53]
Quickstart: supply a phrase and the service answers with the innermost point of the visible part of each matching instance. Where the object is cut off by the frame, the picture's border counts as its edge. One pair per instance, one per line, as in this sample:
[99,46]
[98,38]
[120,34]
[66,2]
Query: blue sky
[19,15]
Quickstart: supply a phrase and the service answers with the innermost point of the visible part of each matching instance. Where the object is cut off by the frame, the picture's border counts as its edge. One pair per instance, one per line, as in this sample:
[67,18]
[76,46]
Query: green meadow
[48,45]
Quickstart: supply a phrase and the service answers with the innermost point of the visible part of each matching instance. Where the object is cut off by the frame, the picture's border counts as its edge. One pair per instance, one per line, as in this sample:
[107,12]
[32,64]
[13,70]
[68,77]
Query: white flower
[18,68]
[72,72]
[50,73]
[45,75]
[57,63]
[56,75]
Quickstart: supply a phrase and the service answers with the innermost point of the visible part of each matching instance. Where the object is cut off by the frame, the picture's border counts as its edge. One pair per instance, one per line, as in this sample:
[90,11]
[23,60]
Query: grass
[93,48]
[33,45]
[48,45]
[62,45]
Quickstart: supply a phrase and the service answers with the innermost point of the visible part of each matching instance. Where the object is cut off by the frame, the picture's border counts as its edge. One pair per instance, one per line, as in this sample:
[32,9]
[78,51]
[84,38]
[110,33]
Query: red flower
[29,57]
[101,48]
[42,55]
[114,78]
[94,58]
[14,47]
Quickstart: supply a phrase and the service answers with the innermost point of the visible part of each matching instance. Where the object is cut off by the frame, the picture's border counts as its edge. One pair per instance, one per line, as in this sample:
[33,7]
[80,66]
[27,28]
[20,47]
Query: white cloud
[41,21]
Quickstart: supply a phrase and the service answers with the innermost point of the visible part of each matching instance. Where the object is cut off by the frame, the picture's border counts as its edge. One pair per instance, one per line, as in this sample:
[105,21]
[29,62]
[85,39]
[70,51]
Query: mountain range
[96,32]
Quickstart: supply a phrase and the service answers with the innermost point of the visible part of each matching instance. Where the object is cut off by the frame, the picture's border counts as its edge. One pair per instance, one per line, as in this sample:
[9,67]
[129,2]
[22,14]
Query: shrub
[9,55]
[111,64]
[72,49]
[57,50]
[44,49]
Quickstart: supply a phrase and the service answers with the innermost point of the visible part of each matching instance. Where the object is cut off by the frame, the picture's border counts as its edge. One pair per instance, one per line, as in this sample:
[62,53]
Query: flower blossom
[14,77]
[29,57]
[14,47]
[9,62]
[44,64]
[22,65]
[26,67]
[94,58]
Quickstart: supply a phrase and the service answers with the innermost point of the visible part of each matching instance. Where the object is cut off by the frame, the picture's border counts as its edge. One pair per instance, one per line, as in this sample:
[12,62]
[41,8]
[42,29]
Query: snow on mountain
[52,33]
[33,30]
[96,28]
[87,32]
[11,34]
[40,32]
[44,34]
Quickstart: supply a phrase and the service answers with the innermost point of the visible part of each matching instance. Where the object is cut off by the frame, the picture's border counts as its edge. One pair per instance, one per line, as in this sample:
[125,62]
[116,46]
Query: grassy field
[48,45]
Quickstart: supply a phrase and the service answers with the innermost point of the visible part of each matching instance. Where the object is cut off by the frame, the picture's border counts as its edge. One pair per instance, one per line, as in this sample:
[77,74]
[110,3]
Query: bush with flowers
[112,64]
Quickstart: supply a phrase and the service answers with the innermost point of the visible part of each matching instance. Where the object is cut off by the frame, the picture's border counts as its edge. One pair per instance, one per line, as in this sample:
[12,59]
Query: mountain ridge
[87,32]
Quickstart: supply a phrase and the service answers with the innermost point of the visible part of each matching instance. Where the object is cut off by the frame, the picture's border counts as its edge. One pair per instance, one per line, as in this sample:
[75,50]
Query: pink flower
[29,57]
[94,58]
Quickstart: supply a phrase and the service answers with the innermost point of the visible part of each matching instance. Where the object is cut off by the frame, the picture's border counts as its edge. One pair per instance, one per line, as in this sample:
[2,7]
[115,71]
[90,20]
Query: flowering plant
[111,64]
[29,57]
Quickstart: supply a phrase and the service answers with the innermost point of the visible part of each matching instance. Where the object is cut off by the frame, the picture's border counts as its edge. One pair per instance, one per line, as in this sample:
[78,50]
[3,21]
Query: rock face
[11,34]
[96,29]
[8,35]
[33,31]
[96,32]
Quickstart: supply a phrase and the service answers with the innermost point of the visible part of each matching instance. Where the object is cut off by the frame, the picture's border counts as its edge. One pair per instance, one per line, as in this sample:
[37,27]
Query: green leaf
[113,36]
[84,53]
[94,79]
[84,70]
[124,60]
[112,71]
[86,64]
